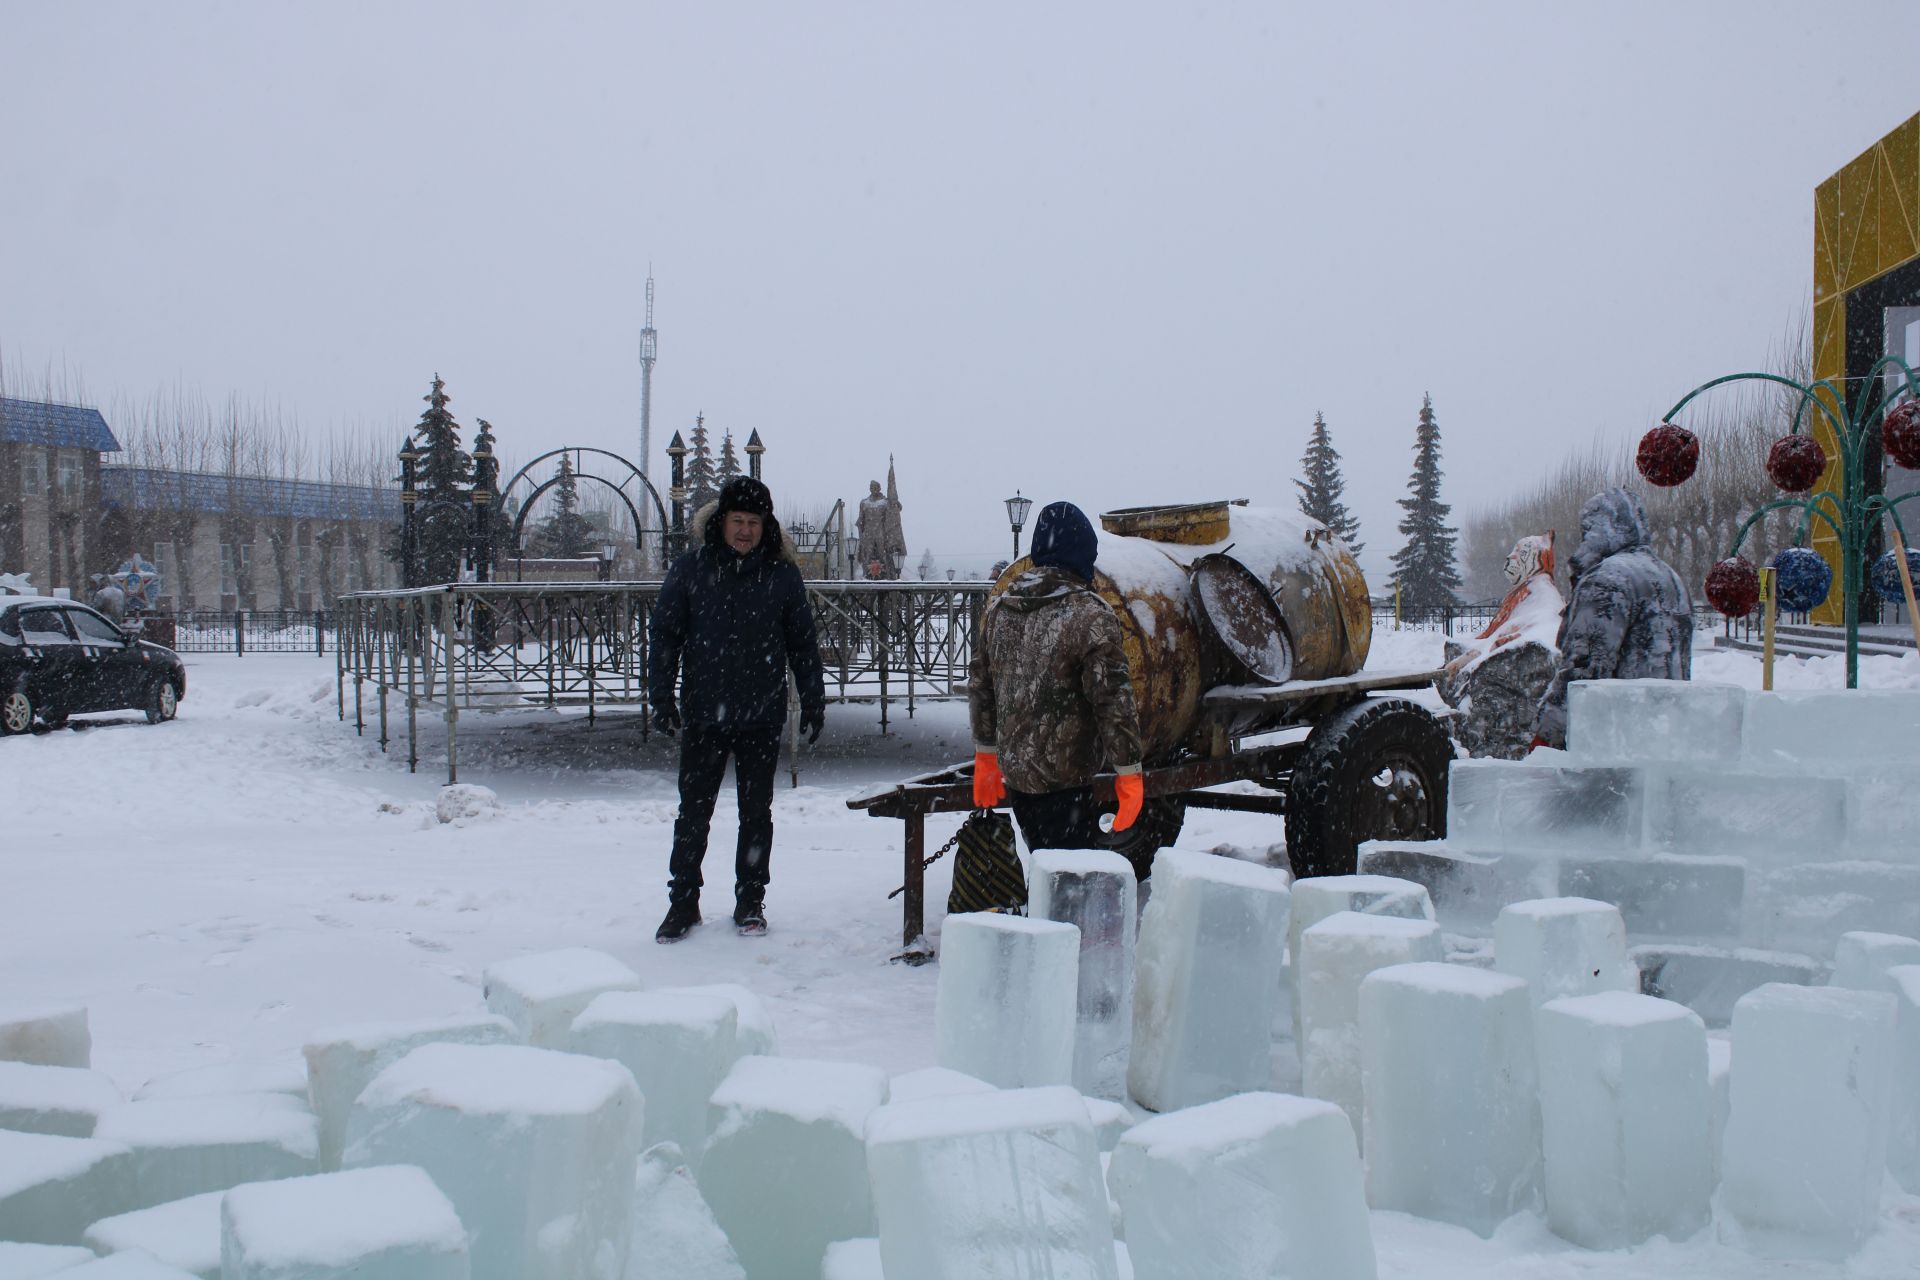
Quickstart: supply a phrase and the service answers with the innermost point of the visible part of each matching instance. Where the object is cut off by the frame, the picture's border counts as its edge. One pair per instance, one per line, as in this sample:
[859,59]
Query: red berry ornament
[1733,587]
[1900,434]
[1668,455]
[1796,462]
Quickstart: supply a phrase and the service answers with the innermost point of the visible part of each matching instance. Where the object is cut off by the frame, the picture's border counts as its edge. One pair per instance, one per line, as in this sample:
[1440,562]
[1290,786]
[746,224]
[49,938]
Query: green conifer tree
[566,533]
[1424,567]
[1322,491]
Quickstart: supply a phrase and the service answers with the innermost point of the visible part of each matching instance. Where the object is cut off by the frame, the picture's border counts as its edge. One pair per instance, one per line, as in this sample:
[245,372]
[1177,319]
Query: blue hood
[1063,537]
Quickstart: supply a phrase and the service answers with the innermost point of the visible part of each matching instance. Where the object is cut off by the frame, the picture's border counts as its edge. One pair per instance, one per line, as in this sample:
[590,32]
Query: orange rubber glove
[989,788]
[1131,791]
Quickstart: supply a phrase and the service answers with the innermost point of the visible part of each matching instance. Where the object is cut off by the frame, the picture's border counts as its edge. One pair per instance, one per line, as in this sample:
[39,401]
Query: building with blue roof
[50,491]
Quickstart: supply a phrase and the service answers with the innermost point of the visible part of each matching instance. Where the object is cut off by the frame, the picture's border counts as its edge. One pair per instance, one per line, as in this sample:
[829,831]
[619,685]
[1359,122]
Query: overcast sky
[1118,253]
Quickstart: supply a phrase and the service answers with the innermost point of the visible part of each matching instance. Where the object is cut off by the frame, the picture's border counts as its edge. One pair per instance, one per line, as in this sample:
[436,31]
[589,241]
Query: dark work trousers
[1058,819]
[704,750]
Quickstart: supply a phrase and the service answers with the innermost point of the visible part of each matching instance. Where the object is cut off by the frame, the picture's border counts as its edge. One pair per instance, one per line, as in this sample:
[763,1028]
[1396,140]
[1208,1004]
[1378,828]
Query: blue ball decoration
[1885,575]
[1801,579]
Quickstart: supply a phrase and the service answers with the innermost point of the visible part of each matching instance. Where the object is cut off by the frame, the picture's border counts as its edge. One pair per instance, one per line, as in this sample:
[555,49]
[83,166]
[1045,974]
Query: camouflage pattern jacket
[1051,691]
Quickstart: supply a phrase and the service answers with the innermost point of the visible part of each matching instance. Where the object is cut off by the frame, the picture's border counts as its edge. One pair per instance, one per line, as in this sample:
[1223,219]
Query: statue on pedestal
[882,543]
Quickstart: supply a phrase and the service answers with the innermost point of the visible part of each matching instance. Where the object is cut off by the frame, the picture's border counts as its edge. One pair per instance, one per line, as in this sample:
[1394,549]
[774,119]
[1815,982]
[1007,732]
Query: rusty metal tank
[1168,572]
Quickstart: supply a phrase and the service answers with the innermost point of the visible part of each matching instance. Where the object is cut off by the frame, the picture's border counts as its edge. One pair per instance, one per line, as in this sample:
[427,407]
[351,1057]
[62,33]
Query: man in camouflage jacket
[1051,696]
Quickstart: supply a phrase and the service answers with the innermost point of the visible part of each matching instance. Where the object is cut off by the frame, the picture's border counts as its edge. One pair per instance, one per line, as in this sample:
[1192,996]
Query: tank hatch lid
[1244,614]
[1194,523]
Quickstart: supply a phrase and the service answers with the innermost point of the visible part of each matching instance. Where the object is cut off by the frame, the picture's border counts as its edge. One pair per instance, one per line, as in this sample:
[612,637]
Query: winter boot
[682,915]
[749,918]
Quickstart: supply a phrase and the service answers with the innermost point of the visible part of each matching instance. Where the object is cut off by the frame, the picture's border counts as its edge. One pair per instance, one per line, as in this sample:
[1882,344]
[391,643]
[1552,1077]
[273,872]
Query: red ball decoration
[1733,587]
[1900,434]
[1668,455]
[1796,462]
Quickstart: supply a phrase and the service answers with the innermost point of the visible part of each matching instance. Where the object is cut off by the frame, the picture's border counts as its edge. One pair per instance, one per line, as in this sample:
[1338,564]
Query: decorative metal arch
[640,528]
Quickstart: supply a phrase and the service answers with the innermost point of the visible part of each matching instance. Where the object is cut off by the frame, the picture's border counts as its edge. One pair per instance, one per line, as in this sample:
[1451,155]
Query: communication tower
[649,350]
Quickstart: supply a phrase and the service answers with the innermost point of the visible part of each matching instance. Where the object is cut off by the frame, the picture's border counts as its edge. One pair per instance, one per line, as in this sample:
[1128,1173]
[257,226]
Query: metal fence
[240,630]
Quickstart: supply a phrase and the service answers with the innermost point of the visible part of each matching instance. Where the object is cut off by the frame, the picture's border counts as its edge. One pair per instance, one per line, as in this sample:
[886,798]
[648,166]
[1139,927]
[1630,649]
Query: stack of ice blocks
[1739,833]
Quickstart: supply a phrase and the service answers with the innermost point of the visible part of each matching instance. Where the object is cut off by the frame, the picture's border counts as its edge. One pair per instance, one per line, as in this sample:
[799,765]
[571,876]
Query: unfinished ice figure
[542,994]
[535,1149]
[1261,1186]
[1094,891]
[1806,1140]
[998,1185]
[786,1163]
[1453,1117]
[1625,1108]
[1335,957]
[1004,1010]
[1495,679]
[386,1223]
[1564,947]
[1207,980]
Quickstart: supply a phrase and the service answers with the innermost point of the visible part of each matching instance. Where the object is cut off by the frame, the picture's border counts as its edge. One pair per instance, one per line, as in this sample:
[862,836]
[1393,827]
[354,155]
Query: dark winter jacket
[1051,691]
[729,627]
[1629,616]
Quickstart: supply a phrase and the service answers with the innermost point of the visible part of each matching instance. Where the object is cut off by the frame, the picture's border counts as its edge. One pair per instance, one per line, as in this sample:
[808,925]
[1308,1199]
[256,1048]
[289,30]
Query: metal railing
[240,630]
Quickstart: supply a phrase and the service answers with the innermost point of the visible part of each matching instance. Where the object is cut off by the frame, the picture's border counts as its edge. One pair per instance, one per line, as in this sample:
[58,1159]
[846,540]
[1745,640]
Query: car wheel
[162,702]
[16,712]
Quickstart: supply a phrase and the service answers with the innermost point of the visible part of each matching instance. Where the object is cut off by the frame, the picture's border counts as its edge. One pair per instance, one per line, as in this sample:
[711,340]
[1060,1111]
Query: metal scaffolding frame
[506,646]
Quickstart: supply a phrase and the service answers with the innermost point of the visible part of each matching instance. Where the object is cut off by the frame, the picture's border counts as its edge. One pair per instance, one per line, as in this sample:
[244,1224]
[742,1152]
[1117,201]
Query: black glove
[812,720]
[666,717]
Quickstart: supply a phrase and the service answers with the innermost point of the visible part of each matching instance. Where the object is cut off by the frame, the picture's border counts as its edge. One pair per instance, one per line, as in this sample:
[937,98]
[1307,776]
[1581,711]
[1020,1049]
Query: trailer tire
[1157,826]
[1375,771]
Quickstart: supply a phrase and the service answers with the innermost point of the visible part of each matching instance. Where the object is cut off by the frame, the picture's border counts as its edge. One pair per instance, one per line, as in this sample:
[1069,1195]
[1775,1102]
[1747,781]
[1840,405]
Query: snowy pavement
[223,888]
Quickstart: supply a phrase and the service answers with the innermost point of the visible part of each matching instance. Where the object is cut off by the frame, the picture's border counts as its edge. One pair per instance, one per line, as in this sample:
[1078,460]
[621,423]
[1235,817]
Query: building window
[302,568]
[70,475]
[229,586]
[33,474]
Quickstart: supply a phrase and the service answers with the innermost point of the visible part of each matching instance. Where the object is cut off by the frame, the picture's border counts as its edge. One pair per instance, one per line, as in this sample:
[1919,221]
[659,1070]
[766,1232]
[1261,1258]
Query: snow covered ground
[224,887]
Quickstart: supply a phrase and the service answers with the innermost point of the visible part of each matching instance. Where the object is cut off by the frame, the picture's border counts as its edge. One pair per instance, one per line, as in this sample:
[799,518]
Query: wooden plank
[1295,691]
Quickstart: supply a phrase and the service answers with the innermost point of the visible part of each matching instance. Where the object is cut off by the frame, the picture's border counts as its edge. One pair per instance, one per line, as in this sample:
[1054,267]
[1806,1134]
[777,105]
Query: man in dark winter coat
[1051,694]
[1629,616]
[731,621]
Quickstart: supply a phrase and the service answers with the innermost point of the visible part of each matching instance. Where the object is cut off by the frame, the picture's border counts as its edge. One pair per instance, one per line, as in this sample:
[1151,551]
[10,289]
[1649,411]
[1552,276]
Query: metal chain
[938,854]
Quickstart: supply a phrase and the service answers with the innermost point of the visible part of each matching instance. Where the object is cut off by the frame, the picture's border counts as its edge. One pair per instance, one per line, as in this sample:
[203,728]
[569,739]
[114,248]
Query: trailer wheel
[1157,826]
[1375,771]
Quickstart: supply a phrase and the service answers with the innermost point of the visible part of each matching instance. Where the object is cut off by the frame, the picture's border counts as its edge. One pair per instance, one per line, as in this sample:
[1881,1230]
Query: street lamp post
[1017,508]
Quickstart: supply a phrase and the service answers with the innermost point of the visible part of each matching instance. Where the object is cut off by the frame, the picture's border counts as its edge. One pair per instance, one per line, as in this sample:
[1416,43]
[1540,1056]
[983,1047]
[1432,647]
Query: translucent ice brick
[386,1223]
[343,1061]
[1861,961]
[65,1101]
[1004,1009]
[181,1233]
[1709,980]
[1624,1109]
[933,1082]
[1334,957]
[1643,721]
[1094,891]
[1207,980]
[1524,807]
[1806,1143]
[52,1188]
[1564,947]
[852,1260]
[754,1034]
[221,1079]
[45,1035]
[1756,816]
[1719,1083]
[542,994]
[1832,731]
[32,1261]
[1667,896]
[1466,886]
[1254,1186]
[999,1184]
[1453,1121]
[786,1164]
[535,1149]
[184,1146]
[1903,1134]
[679,1049]
[1317,897]
[131,1265]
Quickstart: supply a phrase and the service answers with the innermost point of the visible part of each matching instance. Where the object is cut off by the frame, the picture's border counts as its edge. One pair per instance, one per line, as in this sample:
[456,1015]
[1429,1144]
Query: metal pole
[453,706]
[1769,608]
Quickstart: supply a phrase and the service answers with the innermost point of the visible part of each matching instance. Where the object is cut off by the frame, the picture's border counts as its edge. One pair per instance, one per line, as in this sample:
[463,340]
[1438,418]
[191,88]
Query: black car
[58,658]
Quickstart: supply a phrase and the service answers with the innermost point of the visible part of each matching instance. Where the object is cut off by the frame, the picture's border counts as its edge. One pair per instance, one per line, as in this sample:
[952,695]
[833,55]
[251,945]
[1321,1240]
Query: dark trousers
[1058,819]
[703,763]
